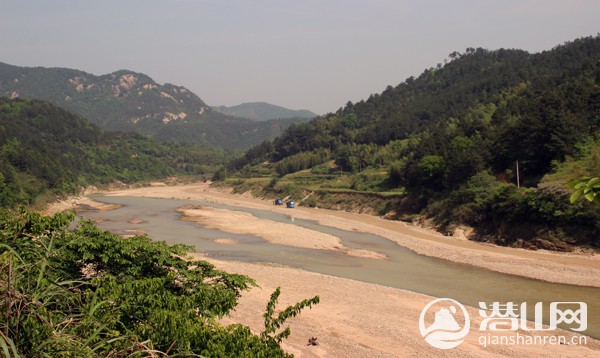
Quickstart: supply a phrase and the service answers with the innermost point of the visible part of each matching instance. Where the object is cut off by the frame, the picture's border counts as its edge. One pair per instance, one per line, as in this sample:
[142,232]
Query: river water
[404,269]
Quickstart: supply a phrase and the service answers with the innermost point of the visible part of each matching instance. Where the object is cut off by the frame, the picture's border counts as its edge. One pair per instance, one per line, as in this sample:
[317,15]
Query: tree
[220,174]
[588,188]
[85,292]
[345,159]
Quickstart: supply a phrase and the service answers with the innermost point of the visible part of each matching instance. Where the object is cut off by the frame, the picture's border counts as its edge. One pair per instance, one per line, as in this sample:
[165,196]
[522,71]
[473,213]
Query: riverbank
[367,320]
[357,319]
[567,268]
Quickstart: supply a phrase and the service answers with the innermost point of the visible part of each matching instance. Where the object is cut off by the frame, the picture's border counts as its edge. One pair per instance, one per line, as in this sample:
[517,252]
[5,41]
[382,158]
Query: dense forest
[47,150]
[452,138]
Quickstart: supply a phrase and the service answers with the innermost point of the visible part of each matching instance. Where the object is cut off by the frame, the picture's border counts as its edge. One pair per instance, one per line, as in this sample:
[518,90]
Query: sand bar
[272,231]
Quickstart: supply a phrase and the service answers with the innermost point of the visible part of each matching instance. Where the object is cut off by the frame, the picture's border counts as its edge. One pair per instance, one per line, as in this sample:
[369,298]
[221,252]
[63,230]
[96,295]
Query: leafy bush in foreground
[85,292]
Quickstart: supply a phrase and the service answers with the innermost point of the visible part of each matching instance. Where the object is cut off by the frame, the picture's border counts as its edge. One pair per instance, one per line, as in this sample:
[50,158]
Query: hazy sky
[301,54]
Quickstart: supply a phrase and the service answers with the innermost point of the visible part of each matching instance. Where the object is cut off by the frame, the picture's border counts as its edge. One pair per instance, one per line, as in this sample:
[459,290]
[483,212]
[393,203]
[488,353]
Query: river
[403,269]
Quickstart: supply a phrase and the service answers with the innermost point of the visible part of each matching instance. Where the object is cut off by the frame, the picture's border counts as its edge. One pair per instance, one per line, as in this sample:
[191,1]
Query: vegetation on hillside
[586,188]
[130,101]
[84,292]
[262,111]
[451,140]
[45,149]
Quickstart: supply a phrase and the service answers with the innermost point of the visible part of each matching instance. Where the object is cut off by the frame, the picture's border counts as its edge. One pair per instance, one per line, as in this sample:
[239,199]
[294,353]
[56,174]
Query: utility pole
[518,179]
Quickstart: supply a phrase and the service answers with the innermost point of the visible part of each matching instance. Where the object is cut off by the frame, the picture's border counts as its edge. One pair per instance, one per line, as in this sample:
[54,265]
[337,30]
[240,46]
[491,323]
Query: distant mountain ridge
[263,111]
[130,101]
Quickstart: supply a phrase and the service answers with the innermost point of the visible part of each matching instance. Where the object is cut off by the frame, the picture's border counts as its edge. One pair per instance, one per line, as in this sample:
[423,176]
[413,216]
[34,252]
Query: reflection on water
[404,269]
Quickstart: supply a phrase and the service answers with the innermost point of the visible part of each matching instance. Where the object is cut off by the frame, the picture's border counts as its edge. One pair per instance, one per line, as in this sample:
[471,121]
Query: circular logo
[445,332]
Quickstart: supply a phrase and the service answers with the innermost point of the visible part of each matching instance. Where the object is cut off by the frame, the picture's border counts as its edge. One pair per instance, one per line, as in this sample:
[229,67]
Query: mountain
[451,139]
[45,149]
[513,98]
[130,101]
[262,111]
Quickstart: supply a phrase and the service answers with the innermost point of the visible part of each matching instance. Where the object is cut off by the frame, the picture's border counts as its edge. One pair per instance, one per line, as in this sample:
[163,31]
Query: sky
[300,54]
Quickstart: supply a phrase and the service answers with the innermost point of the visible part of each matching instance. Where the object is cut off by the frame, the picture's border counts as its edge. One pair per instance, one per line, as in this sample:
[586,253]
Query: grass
[384,194]
[319,187]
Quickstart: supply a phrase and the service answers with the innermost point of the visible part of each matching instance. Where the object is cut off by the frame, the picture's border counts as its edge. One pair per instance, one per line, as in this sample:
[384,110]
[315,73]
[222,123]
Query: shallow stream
[404,269]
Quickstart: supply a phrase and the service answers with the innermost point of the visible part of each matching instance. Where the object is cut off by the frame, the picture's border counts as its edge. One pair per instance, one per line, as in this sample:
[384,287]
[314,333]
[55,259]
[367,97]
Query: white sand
[272,231]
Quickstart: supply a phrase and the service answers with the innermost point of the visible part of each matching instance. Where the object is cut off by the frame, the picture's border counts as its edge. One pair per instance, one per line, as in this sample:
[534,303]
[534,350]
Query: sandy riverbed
[365,320]
[357,319]
[272,231]
[580,269]
[78,201]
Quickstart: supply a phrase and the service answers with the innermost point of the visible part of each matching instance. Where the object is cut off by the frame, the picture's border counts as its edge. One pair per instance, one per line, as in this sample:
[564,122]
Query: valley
[136,219]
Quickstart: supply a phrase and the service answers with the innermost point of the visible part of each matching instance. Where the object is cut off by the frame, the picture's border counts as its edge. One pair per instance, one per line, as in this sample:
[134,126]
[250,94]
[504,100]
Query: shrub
[87,292]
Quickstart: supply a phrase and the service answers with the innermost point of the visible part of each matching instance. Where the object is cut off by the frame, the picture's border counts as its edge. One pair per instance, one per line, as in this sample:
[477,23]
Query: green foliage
[505,105]
[272,183]
[587,188]
[544,213]
[86,292]
[129,101]
[391,152]
[345,160]
[395,173]
[46,149]
[273,323]
[254,155]
[431,166]
[220,174]
[580,174]
[288,189]
[311,201]
[482,112]
[300,161]
[468,203]
[261,111]
[350,121]
[526,217]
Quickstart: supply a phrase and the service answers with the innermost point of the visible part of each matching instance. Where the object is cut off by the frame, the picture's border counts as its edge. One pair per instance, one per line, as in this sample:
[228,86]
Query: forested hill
[262,111]
[451,138]
[130,101]
[47,150]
